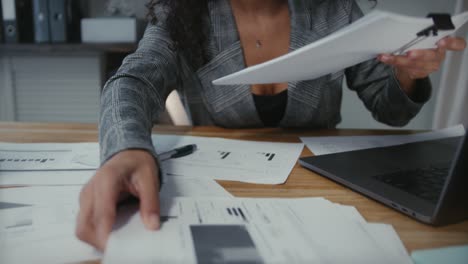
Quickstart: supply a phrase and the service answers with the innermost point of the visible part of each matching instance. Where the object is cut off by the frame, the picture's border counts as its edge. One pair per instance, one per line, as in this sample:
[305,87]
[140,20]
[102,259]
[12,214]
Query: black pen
[178,152]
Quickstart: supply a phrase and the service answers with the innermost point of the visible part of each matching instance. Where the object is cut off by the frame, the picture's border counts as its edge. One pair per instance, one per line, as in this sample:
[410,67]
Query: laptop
[426,180]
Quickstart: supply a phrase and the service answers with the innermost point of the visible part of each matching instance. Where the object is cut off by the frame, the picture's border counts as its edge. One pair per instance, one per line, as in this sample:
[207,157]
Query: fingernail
[385,58]
[103,236]
[152,221]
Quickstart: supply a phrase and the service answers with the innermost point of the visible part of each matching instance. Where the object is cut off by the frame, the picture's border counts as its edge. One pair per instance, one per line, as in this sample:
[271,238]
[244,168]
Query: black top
[271,108]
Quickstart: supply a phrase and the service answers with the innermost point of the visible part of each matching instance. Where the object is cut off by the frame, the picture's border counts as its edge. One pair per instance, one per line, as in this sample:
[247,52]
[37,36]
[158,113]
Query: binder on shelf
[41,21]
[17,21]
[64,21]
[58,20]
[9,21]
[1,23]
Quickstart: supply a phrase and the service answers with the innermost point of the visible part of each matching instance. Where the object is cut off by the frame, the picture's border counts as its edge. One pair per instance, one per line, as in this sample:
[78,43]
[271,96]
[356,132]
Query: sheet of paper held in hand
[217,230]
[335,144]
[375,33]
[227,159]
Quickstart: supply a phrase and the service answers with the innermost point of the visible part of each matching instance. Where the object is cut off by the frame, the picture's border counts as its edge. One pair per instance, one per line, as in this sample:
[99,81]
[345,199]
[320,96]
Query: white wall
[355,115]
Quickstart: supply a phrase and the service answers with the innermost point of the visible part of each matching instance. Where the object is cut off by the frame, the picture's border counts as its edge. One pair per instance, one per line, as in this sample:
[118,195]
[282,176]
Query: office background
[62,85]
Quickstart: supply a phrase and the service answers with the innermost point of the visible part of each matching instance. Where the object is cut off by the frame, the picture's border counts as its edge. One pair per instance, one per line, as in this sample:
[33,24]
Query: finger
[452,43]
[106,199]
[440,52]
[428,68]
[417,74]
[84,226]
[427,55]
[146,185]
[402,61]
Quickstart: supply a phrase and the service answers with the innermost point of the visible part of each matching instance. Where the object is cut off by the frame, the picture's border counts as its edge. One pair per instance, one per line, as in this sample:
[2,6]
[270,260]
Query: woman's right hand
[130,172]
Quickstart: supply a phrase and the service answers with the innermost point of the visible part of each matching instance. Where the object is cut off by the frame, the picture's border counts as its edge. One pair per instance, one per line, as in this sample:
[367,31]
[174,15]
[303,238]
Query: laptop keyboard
[426,183]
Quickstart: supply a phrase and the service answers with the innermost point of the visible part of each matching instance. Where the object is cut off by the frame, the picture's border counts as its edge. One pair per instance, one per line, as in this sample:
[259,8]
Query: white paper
[387,239]
[336,144]
[45,178]
[215,158]
[42,234]
[383,234]
[36,206]
[41,220]
[227,159]
[41,196]
[48,156]
[57,195]
[308,230]
[42,231]
[185,187]
[349,46]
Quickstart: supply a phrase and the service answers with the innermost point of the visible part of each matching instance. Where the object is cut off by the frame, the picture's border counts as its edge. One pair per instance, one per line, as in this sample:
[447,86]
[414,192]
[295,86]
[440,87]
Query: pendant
[258,44]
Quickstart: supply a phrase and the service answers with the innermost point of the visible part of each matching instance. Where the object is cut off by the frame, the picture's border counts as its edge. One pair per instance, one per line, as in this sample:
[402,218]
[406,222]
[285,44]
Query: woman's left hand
[418,64]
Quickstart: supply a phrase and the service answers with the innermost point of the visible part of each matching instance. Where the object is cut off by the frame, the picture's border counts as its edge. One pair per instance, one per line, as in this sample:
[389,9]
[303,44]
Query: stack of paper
[202,222]
[217,230]
[37,223]
[41,220]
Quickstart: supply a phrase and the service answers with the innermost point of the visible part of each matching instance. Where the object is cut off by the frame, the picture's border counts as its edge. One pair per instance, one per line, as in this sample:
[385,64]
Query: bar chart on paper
[226,159]
[253,230]
[30,156]
[26,159]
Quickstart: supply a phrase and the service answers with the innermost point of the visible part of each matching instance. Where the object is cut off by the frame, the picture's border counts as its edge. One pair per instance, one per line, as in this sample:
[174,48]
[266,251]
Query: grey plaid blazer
[132,100]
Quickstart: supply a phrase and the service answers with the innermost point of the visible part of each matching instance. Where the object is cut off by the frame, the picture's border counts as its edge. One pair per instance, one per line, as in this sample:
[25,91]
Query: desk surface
[301,182]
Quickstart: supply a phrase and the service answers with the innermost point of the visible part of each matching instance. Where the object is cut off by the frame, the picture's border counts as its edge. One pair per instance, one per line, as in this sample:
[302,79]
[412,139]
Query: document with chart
[219,230]
[215,158]
[48,156]
[375,33]
[41,220]
[227,159]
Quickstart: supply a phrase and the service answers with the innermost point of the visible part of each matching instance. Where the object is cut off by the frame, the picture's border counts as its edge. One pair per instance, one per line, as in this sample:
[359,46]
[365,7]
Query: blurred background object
[46,81]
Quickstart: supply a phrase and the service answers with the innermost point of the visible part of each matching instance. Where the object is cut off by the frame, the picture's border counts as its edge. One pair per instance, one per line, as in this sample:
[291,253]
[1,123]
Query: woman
[192,42]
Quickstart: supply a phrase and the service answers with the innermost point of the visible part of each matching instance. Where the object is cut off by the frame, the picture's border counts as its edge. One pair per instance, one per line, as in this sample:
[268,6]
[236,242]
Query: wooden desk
[301,183]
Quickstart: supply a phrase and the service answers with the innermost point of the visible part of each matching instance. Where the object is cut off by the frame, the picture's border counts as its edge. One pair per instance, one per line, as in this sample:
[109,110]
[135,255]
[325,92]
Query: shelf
[68,47]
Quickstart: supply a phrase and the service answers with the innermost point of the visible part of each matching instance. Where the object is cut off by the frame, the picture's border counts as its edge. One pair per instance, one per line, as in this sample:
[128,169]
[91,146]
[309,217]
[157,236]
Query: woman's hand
[418,64]
[130,172]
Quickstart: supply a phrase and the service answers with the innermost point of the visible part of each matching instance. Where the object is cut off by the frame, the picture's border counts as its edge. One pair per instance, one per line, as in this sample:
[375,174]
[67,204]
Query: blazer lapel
[303,97]
[230,105]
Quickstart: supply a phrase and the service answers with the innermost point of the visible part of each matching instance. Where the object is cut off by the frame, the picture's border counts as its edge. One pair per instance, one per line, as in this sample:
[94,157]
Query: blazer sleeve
[379,89]
[133,98]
